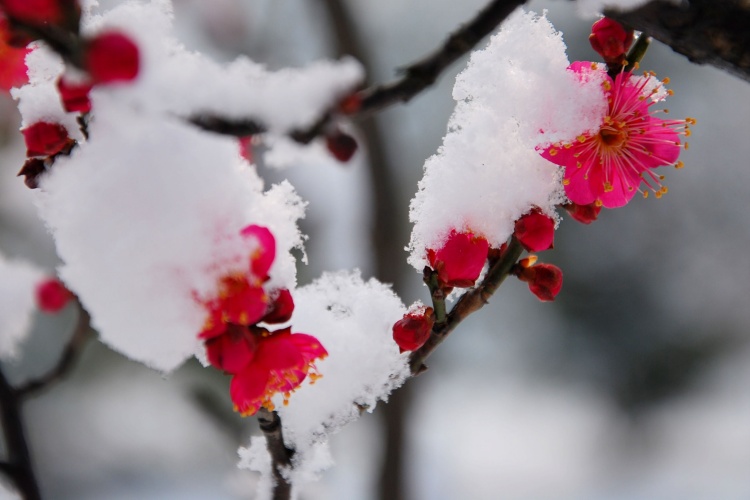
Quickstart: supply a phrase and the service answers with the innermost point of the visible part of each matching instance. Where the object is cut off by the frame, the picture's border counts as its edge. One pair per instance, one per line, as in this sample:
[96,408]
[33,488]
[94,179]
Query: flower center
[612,137]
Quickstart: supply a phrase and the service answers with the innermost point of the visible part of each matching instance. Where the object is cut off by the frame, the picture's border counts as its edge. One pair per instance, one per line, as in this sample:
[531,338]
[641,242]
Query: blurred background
[632,385]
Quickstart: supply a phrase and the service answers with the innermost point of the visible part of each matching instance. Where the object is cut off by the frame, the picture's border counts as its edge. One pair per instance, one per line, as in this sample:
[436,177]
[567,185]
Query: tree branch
[281,456]
[18,465]
[470,302]
[67,359]
[417,77]
[711,32]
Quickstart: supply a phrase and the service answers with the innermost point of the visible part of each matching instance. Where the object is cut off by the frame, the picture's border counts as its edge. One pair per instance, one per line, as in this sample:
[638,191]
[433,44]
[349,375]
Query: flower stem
[437,293]
[470,302]
[281,456]
[637,51]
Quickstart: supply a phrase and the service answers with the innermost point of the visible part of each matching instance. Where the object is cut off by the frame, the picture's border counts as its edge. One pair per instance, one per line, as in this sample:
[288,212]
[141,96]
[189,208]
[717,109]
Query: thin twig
[67,359]
[470,302]
[416,78]
[422,74]
[18,465]
[281,456]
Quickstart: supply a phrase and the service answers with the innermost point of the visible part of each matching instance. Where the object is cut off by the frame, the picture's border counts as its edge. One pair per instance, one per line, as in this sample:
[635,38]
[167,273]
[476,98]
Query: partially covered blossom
[111,57]
[535,231]
[460,260]
[52,296]
[607,167]
[544,280]
[262,362]
[413,330]
[611,40]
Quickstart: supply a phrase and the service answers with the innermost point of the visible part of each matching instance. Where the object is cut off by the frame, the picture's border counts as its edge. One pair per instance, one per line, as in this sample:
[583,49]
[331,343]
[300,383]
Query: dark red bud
[341,145]
[413,330]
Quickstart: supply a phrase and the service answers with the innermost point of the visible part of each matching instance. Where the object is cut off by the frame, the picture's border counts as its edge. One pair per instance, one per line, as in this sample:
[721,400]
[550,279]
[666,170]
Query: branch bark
[281,456]
[714,32]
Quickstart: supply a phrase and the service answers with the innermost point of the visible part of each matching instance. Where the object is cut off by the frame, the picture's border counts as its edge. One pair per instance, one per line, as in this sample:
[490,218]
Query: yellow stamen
[598,203]
[679,164]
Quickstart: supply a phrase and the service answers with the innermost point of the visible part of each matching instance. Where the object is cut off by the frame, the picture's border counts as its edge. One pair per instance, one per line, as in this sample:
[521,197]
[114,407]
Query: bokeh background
[632,385]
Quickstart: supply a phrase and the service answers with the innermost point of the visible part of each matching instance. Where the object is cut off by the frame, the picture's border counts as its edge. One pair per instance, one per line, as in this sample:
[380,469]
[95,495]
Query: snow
[514,96]
[353,319]
[18,280]
[146,212]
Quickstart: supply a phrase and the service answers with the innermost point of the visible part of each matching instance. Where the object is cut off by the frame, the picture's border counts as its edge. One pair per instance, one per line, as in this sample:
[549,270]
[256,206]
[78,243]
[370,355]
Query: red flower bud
[52,296]
[342,146]
[610,40]
[545,280]
[413,330]
[460,261]
[282,307]
[74,96]
[33,11]
[585,214]
[112,57]
[45,139]
[535,231]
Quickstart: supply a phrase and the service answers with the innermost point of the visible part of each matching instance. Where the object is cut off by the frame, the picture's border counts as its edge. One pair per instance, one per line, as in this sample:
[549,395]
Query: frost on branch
[514,95]
[354,320]
[18,280]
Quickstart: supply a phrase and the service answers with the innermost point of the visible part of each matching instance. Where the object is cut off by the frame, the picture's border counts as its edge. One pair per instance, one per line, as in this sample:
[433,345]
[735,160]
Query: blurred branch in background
[18,466]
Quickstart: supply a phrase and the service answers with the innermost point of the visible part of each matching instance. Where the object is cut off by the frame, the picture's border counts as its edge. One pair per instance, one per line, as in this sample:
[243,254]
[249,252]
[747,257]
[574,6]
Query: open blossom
[460,260]
[607,166]
[262,362]
[280,362]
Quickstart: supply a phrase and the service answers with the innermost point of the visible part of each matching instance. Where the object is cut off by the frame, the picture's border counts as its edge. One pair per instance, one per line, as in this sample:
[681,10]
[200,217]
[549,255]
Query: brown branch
[417,77]
[67,359]
[711,32]
[468,303]
[281,456]
[18,466]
